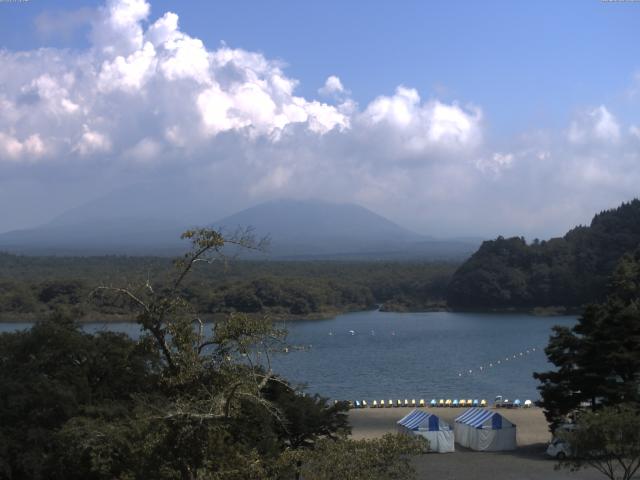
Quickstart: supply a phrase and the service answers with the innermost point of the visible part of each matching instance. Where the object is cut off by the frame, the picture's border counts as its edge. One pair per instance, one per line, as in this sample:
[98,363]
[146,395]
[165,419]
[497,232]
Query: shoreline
[318,316]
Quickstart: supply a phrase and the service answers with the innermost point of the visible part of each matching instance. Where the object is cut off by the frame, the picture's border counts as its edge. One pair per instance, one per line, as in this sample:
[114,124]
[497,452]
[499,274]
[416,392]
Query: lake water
[411,355]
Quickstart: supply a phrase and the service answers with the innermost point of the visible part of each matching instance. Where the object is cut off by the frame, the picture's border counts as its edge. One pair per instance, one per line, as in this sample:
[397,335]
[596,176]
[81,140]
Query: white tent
[429,426]
[485,430]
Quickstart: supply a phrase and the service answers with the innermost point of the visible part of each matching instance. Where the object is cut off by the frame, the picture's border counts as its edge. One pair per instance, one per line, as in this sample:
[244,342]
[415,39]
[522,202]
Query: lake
[376,355]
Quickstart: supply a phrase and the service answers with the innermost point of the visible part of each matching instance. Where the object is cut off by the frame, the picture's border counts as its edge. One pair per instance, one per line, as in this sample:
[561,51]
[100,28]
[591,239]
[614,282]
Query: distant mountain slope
[298,230]
[568,271]
[314,227]
[311,229]
[169,201]
[130,236]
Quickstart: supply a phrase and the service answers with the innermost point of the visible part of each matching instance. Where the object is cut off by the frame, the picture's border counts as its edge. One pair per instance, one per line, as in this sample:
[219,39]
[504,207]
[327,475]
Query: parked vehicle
[559,449]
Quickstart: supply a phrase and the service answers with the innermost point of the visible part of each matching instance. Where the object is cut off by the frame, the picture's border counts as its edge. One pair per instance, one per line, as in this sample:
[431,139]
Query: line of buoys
[355,332]
[486,367]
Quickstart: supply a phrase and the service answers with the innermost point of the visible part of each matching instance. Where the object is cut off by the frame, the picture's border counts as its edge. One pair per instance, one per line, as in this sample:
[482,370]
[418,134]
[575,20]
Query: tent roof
[419,419]
[479,417]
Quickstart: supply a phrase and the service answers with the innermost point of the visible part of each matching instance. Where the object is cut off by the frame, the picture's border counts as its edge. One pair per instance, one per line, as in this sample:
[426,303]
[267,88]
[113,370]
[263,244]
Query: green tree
[598,360]
[386,458]
[54,373]
[307,417]
[607,440]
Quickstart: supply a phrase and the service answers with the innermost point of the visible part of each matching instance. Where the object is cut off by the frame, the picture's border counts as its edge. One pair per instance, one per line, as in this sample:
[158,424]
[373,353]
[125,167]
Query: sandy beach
[528,462]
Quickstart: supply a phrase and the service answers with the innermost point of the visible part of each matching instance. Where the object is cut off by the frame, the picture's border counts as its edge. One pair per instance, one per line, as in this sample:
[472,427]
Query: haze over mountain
[165,201]
[296,228]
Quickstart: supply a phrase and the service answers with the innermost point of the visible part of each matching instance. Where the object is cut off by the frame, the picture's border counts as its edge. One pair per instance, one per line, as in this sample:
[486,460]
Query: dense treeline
[33,286]
[569,271]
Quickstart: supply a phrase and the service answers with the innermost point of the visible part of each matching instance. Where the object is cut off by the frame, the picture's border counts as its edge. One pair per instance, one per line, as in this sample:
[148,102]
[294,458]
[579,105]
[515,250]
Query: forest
[566,272]
[34,286]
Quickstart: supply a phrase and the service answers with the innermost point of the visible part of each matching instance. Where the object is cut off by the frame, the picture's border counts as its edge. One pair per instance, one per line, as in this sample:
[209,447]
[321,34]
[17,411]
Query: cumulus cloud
[147,78]
[14,149]
[332,85]
[92,142]
[147,100]
[410,125]
[598,124]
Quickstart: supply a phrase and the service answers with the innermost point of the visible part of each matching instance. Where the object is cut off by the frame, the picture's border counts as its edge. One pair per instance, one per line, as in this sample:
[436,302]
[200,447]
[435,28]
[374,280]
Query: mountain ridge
[298,229]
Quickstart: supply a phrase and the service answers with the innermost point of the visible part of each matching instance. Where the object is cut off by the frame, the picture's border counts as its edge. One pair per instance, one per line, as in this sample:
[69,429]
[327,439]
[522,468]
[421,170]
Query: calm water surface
[420,355]
[410,355]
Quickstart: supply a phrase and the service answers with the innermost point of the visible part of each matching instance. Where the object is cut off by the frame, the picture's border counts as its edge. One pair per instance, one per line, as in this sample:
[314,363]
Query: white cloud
[170,80]
[92,142]
[146,150]
[598,124]
[496,163]
[606,126]
[118,29]
[333,85]
[148,99]
[128,74]
[54,93]
[12,149]
[422,126]
[34,146]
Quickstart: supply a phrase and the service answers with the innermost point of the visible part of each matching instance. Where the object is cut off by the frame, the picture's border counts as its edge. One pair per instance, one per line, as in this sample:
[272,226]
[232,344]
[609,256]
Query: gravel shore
[528,462]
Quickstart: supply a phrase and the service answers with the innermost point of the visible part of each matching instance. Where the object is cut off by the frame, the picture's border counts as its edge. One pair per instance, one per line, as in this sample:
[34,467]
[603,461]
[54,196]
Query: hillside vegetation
[33,286]
[569,271]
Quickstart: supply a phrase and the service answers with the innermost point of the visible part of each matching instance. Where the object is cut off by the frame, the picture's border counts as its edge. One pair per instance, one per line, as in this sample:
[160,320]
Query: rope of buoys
[485,367]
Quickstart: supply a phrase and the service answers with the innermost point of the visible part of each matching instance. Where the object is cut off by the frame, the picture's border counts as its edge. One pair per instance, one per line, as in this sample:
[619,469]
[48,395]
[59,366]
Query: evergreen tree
[598,359]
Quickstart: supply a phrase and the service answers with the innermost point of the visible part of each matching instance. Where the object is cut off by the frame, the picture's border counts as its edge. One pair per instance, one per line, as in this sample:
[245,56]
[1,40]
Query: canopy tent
[485,430]
[429,426]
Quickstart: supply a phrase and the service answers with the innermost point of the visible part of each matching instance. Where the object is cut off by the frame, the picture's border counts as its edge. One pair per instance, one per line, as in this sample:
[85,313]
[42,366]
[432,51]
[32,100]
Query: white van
[559,449]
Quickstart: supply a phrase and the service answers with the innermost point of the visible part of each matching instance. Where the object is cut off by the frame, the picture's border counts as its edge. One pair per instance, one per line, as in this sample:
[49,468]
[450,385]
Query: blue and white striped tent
[429,426]
[486,430]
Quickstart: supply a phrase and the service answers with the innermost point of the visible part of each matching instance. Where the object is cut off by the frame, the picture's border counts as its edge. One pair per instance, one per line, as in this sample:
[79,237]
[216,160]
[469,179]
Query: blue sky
[542,75]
